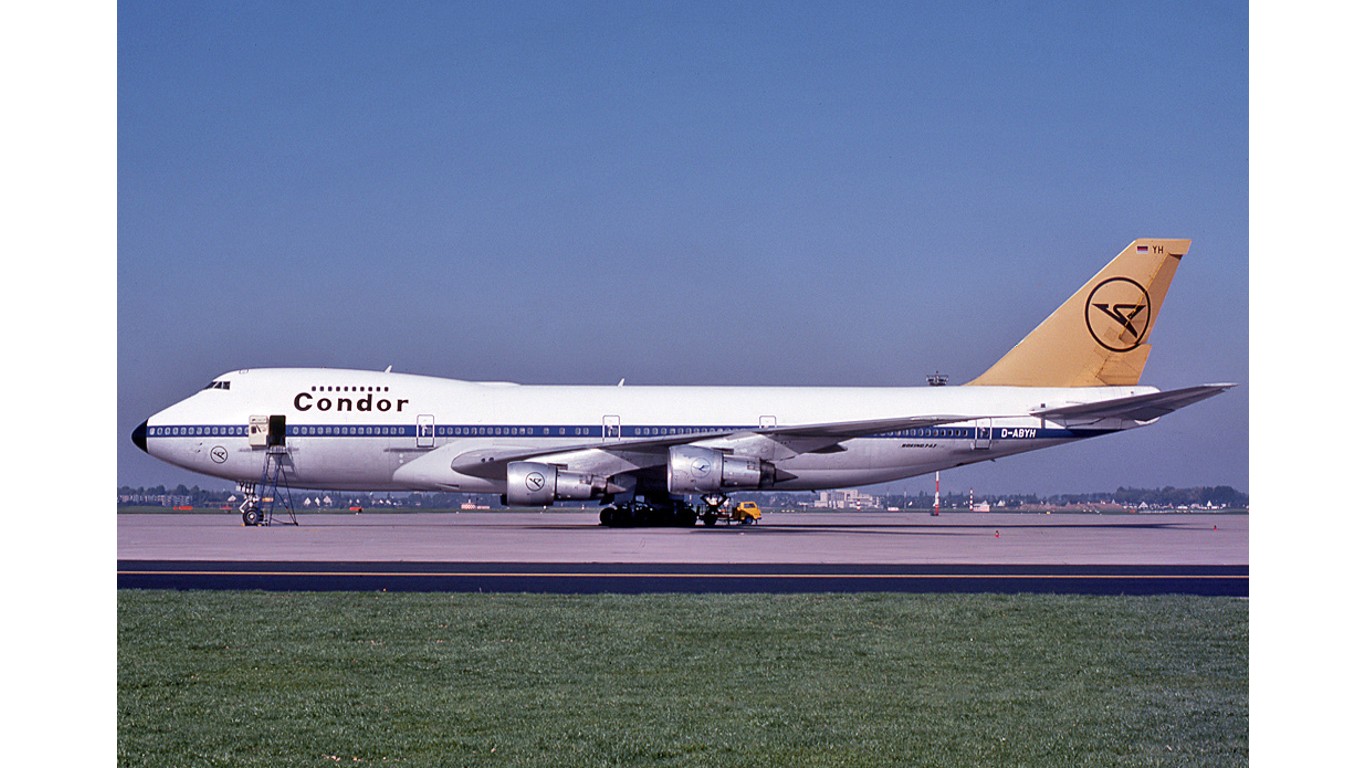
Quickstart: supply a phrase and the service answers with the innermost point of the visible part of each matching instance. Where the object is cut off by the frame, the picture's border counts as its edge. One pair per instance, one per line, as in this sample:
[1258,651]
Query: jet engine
[532,484]
[693,469]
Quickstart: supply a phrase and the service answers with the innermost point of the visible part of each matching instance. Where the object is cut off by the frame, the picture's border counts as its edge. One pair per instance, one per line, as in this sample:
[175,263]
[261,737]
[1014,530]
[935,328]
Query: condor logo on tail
[1117,314]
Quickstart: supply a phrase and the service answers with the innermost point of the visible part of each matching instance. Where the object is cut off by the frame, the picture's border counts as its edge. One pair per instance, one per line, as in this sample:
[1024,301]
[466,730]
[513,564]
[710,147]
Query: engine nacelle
[532,484]
[693,469]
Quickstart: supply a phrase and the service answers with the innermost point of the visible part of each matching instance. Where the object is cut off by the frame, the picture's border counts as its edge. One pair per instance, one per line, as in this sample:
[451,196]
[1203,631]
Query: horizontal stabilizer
[1137,408]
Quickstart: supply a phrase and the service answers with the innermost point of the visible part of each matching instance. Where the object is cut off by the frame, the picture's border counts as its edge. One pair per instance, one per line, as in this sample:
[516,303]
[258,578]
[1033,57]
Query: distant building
[846,498]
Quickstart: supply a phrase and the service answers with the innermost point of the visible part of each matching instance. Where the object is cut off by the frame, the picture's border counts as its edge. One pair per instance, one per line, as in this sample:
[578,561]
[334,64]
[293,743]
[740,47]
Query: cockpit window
[219,385]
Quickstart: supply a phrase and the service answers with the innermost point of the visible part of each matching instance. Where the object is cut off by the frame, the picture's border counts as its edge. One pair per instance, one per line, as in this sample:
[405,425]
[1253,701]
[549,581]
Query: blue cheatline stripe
[596,431]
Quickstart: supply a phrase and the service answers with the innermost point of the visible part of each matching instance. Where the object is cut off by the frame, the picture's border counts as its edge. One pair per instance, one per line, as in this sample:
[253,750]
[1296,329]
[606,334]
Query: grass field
[299,679]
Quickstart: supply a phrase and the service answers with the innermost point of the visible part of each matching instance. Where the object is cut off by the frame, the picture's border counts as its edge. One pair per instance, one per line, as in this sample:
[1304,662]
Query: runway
[787,552]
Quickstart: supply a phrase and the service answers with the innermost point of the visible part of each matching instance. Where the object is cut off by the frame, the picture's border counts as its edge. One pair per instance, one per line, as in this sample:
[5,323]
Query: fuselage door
[266,431]
[426,431]
[276,435]
[258,431]
[768,422]
[611,428]
[981,437]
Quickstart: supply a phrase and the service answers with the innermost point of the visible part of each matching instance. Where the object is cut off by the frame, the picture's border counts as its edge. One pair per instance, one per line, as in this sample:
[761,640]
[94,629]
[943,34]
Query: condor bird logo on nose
[1117,314]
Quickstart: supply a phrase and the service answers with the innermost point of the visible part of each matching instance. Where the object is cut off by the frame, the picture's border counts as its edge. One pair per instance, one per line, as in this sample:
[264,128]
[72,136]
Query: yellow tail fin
[1099,337]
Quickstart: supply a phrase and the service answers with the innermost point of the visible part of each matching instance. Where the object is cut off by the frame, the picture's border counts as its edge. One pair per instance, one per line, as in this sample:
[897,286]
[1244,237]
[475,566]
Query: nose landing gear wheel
[251,516]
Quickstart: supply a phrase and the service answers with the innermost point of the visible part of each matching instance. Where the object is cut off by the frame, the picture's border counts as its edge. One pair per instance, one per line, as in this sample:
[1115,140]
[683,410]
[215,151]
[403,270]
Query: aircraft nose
[140,436]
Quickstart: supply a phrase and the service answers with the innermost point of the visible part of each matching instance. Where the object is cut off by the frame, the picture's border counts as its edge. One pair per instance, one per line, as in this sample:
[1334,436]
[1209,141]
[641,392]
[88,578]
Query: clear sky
[681,193]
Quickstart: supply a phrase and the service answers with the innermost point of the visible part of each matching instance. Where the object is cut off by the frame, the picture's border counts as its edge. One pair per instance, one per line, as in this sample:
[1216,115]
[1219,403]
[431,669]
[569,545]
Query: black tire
[251,516]
[709,520]
[683,515]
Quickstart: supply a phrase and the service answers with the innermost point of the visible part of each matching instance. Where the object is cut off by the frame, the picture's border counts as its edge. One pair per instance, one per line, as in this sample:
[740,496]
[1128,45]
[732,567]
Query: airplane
[643,451]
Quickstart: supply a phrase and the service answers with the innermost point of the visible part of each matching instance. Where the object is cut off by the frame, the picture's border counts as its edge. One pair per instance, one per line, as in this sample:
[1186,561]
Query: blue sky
[680,193]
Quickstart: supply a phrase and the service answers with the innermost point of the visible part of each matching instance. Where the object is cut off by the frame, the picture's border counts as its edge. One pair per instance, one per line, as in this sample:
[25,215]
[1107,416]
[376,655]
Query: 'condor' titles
[305,401]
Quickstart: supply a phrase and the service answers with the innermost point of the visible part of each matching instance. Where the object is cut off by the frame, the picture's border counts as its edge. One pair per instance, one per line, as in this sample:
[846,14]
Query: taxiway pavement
[808,537]
[568,551]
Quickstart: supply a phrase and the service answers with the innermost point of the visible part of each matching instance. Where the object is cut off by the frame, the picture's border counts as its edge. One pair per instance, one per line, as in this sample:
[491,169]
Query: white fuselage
[367,430]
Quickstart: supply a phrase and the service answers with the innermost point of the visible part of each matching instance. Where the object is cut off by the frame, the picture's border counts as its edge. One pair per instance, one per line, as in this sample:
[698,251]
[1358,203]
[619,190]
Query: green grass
[299,679]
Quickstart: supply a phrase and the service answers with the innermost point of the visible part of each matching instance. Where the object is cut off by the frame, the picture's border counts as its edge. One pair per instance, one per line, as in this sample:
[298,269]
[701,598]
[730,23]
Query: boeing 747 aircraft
[643,451]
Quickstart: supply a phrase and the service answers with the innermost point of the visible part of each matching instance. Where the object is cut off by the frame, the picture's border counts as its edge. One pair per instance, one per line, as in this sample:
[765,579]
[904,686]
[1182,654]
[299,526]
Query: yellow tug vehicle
[716,506]
[746,513]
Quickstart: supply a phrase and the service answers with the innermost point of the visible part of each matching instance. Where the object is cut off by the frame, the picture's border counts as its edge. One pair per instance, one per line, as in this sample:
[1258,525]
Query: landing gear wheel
[251,516]
[709,520]
[615,517]
[683,515]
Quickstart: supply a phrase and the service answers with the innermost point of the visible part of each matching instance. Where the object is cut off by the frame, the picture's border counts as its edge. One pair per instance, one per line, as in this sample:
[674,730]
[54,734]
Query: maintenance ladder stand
[263,496]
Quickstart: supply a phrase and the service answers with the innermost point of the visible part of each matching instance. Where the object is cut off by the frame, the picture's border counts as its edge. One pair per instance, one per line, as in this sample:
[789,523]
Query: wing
[771,443]
[1137,408]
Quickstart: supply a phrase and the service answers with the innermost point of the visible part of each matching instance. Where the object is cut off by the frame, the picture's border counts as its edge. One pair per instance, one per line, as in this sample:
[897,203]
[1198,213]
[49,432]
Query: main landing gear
[657,512]
[714,508]
[650,512]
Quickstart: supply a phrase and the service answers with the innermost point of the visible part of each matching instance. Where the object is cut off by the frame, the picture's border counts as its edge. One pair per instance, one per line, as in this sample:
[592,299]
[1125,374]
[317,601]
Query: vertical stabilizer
[1099,337]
